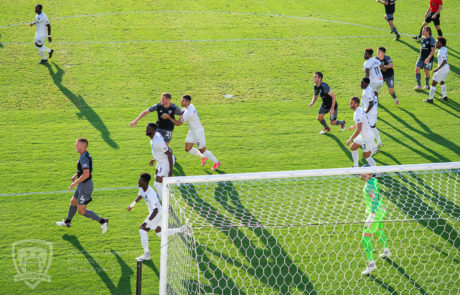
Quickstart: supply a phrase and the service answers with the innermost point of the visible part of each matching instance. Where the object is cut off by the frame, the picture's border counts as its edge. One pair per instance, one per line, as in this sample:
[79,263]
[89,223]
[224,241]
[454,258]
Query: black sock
[394,95]
[323,122]
[420,34]
[339,122]
[427,80]
[439,32]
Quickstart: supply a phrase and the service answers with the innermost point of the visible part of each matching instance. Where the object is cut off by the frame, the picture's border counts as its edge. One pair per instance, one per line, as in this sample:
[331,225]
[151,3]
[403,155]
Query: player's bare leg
[191,150]
[208,155]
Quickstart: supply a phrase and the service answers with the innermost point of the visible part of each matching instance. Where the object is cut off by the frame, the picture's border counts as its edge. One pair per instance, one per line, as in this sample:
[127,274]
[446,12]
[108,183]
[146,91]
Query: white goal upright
[300,232]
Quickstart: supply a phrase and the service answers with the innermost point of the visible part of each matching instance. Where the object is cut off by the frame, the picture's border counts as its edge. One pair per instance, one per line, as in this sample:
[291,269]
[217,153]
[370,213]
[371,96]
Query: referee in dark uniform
[165,126]
[433,14]
[82,180]
[390,6]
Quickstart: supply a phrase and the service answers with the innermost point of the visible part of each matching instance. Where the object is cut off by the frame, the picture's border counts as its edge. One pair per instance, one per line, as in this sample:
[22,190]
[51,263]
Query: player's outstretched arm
[313,100]
[170,160]
[174,121]
[134,203]
[141,115]
[32,23]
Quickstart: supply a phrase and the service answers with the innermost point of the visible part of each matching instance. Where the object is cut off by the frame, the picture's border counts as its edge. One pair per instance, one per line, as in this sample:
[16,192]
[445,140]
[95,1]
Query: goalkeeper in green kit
[374,222]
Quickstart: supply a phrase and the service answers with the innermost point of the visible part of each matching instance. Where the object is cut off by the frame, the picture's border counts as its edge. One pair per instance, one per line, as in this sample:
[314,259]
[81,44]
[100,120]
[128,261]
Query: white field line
[68,191]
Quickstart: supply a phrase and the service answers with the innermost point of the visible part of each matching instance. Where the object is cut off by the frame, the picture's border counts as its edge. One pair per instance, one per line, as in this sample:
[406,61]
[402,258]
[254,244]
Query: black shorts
[389,16]
[436,21]
[324,110]
[83,192]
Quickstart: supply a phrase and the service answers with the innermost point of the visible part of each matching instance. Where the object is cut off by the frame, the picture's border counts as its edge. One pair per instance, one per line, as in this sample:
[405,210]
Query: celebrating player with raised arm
[153,220]
[374,222]
[195,133]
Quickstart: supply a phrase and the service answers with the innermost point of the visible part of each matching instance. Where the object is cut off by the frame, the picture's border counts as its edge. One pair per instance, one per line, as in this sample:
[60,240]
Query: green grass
[95,89]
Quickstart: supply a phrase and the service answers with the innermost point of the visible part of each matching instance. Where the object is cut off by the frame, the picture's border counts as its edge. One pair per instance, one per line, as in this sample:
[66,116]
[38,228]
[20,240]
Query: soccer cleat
[104,225]
[324,131]
[203,161]
[426,87]
[370,268]
[396,101]
[343,125]
[443,98]
[386,253]
[397,37]
[428,100]
[51,53]
[63,223]
[146,256]
[418,87]
[43,61]
[380,145]
[216,165]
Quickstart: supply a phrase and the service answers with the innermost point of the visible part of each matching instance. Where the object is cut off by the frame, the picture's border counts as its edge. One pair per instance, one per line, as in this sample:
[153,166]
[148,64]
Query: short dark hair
[369,50]
[319,74]
[146,177]
[167,95]
[367,80]
[382,49]
[39,6]
[356,99]
[83,140]
[152,125]
[428,29]
[442,40]
[187,97]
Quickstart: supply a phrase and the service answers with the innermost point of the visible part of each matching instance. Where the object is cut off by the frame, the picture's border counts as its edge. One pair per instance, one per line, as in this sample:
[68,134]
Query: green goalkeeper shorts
[377,224]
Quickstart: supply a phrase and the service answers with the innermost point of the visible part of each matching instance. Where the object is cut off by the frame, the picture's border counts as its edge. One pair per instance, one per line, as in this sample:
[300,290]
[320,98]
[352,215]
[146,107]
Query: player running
[162,154]
[153,220]
[329,104]
[43,30]
[441,71]
[362,137]
[389,11]
[369,103]
[374,222]
[386,66]
[84,184]
[195,133]
[372,70]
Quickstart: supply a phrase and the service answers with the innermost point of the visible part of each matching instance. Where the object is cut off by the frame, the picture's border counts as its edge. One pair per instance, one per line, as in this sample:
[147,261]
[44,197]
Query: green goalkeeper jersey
[371,192]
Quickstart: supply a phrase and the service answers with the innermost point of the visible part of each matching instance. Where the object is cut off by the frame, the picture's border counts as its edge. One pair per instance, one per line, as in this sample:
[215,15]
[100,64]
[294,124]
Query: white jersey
[41,20]
[368,96]
[191,117]
[373,64]
[159,148]
[442,56]
[360,117]
[151,198]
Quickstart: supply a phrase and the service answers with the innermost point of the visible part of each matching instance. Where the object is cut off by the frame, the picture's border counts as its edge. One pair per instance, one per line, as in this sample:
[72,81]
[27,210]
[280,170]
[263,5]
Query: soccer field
[113,59]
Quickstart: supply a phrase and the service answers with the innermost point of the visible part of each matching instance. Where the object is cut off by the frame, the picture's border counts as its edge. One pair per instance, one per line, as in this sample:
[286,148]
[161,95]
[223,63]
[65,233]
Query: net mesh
[302,235]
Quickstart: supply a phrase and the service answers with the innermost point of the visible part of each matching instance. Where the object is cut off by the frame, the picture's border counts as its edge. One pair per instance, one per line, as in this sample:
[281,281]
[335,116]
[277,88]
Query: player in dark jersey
[386,67]
[389,11]
[82,180]
[329,104]
[432,14]
[425,59]
[165,126]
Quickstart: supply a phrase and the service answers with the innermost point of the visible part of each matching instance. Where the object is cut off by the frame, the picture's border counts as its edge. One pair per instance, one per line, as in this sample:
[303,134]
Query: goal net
[300,232]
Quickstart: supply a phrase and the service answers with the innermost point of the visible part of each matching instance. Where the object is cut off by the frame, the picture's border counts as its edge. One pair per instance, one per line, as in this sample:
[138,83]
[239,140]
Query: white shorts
[376,85]
[155,222]
[441,75]
[40,39]
[367,143]
[196,137]
[163,168]
[372,117]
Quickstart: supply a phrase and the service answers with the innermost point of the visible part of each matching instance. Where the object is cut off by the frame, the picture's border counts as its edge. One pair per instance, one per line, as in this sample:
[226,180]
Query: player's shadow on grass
[85,110]
[124,284]
[341,145]
[388,155]
[406,275]
[384,285]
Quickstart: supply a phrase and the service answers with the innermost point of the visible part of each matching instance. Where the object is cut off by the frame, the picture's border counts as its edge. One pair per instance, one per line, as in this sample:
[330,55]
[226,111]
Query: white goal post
[299,232]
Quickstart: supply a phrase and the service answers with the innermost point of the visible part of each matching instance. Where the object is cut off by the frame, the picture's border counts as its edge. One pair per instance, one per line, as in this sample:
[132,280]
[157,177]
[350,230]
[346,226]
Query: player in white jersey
[195,133]
[372,69]
[43,30]
[369,104]
[363,137]
[442,71]
[162,154]
[153,220]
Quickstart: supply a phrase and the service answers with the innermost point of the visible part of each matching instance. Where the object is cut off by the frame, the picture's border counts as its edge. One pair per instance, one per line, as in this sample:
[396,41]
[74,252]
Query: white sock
[42,53]
[210,156]
[45,48]
[371,161]
[159,189]
[355,156]
[432,91]
[144,240]
[377,135]
[444,90]
[195,152]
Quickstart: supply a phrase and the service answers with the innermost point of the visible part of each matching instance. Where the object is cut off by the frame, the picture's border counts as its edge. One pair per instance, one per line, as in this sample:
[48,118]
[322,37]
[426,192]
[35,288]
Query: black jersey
[171,111]
[323,91]
[85,162]
[390,7]
[386,61]
[425,50]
